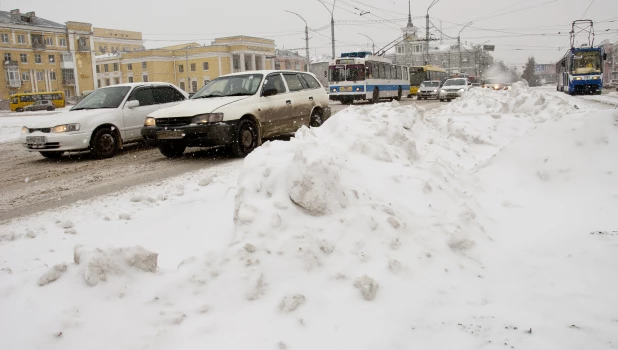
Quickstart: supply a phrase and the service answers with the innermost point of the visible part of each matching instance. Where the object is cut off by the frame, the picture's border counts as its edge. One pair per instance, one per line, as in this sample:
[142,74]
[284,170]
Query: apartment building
[189,66]
[114,41]
[289,60]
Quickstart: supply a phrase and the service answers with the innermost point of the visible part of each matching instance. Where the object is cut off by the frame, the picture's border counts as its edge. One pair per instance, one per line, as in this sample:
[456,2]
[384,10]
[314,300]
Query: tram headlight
[577,78]
[596,77]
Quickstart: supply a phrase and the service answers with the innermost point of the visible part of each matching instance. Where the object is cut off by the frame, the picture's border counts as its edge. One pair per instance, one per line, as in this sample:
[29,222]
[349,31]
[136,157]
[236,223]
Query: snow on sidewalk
[388,227]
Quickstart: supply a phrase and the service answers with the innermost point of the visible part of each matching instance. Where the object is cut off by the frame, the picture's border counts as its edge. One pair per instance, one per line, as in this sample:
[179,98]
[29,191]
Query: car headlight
[207,118]
[65,128]
[442,90]
[150,121]
[462,90]
[435,90]
[25,130]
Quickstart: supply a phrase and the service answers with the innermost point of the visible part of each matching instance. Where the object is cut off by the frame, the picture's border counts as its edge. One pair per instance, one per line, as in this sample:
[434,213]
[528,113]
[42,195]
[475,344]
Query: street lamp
[459,44]
[427,32]
[306,39]
[373,49]
[332,24]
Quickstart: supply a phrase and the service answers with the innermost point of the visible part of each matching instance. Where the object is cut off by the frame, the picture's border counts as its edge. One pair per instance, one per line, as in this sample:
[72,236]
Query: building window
[130,79]
[115,67]
[181,68]
[40,76]
[5,38]
[98,82]
[7,57]
[116,81]
[145,78]
[37,58]
[193,68]
[102,49]
[52,75]
[98,69]
[107,83]
[105,68]
[144,65]
[205,65]
[25,76]
[63,42]
[182,85]
[21,39]
[129,66]
[49,41]
[194,86]
[52,59]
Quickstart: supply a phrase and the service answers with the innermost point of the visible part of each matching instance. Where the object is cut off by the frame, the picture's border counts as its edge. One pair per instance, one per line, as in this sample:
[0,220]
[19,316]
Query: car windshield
[231,85]
[110,97]
[455,82]
[430,84]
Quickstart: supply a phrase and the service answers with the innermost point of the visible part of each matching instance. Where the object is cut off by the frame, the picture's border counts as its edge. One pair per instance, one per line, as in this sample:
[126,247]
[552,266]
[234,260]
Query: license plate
[36,140]
[166,135]
[348,88]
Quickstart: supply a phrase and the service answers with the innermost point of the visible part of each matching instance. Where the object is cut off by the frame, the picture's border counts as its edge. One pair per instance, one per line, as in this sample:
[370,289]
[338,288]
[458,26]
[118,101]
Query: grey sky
[169,22]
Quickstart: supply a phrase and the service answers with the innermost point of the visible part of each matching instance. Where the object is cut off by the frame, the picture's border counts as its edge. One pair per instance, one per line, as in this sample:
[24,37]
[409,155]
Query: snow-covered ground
[12,122]
[489,223]
[610,98]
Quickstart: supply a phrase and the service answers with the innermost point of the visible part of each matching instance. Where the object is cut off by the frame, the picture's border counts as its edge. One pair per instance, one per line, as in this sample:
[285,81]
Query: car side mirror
[269,92]
[132,104]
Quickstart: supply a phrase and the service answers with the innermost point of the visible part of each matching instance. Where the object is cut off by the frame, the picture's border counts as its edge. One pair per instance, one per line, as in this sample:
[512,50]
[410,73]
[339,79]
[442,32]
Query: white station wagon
[102,122]
[238,111]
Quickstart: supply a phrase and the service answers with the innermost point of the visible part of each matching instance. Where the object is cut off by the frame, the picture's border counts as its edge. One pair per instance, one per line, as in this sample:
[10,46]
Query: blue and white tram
[362,76]
[580,71]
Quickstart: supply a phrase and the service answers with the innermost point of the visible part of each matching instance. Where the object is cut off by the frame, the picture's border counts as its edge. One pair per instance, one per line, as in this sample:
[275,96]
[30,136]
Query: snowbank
[520,99]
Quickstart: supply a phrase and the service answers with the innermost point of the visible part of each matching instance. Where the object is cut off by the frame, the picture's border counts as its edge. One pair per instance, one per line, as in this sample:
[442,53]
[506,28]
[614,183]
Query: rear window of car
[294,82]
[311,82]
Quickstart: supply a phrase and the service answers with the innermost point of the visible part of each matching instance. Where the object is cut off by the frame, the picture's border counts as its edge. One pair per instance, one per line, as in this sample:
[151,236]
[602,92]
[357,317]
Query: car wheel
[376,95]
[103,144]
[441,100]
[171,150]
[399,93]
[50,108]
[409,95]
[418,97]
[245,139]
[316,119]
[448,100]
[19,110]
[52,154]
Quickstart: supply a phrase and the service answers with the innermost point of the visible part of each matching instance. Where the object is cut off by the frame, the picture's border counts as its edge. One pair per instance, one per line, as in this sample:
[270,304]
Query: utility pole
[332,25]
[427,60]
[459,45]
[187,68]
[441,34]
[373,45]
[307,62]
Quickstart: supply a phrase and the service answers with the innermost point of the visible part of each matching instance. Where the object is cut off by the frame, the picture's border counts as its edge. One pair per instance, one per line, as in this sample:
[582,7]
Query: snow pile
[97,263]
[520,99]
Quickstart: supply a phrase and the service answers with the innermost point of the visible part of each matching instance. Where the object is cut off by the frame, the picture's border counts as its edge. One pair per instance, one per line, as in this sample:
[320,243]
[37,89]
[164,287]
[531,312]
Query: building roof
[5,17]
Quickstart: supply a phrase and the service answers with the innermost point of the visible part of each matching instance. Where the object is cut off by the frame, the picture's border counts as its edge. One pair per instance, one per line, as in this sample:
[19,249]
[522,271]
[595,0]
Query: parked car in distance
[41,105]
[238,111]
[475,85]
[454,88]
[428,89]
[102,122]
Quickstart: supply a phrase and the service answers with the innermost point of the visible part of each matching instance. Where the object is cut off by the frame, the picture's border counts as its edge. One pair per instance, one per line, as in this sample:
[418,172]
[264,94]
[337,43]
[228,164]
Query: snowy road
[30,183]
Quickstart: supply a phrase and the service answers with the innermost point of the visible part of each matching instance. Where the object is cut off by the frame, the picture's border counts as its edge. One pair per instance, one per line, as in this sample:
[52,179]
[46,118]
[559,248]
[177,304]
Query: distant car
[102,122]
[475,85]
[428,89]
[454,88]
[42,105]
[238,111]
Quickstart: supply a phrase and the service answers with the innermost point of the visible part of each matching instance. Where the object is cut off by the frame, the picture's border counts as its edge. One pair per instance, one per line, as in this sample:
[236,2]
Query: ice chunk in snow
[291,303]
[206,181]
[53,274]
[66,224]
[367,286]
[124,216]
[97,264]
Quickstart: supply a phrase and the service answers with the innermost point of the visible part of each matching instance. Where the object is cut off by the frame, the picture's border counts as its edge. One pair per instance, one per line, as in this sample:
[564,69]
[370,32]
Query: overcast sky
[518,28]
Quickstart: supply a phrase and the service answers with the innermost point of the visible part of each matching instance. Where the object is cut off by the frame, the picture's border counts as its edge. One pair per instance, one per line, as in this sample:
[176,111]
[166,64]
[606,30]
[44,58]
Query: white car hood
[49,121]
[194,107]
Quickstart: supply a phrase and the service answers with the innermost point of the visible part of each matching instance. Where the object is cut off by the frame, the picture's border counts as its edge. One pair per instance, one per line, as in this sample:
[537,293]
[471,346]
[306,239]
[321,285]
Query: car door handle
[288,102]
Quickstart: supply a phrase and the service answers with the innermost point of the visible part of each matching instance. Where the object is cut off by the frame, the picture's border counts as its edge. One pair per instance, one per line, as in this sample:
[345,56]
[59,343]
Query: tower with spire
[410,31]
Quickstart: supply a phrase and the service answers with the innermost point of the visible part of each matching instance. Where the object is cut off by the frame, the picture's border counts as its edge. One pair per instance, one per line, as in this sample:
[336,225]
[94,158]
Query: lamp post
[306,40]
[427,60]
[332,24]
[459,44]
[373,45]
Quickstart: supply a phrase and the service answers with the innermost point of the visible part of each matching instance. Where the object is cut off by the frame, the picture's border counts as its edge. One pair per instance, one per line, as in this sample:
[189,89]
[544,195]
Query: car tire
[448,100]
[375,98]
[50,108]
[172,150]
[103,144]
[441,100]
[316,119]
[245,138]
[409,95]
[52,154]
[19,110]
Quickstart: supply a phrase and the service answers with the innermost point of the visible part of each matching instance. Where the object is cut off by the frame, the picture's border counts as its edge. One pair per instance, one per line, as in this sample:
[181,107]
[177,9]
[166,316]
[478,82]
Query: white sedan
[102,122]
